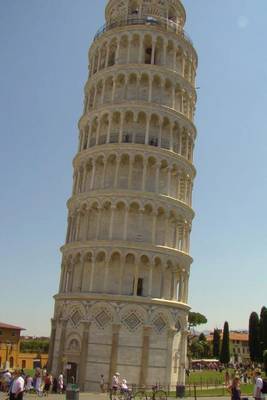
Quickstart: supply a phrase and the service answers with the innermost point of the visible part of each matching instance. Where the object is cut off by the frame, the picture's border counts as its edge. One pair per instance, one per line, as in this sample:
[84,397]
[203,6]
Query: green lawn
[246,390]
[206,377]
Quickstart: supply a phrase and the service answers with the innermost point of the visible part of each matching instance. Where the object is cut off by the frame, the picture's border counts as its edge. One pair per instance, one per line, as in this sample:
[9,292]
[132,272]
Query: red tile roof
[8,326]
[242,336]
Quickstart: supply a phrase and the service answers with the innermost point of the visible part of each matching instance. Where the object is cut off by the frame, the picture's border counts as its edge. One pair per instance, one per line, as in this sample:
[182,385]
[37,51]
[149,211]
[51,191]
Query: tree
[34,345]
[216,343]
[261,334]
[225,350]
[253,337]
[195,319]
[202,338]
[265,361]
[263,339]
[199,347]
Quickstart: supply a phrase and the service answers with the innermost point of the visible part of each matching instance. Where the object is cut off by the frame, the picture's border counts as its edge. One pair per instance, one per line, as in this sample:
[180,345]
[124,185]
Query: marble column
[114,350]
[60,360]
[84,354]
[51,345]
[145,356]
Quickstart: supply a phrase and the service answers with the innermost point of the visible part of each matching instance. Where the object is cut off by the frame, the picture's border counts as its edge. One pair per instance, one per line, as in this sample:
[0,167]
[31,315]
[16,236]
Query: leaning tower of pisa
[122,303]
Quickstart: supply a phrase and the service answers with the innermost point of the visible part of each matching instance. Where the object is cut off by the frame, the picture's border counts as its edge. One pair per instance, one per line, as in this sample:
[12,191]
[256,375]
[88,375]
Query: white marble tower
[122,301]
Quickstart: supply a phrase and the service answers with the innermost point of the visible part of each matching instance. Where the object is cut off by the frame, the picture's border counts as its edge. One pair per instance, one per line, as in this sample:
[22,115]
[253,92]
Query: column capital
[147,329]
[116,328]
[86,325]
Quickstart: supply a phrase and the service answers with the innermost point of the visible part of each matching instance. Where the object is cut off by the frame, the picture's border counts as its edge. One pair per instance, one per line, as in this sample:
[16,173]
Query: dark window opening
[111,60]
[140,287]
[23,364]
[148,54]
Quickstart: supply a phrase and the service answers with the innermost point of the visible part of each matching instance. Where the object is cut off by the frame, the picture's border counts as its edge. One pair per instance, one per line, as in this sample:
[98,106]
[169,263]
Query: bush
[34,346]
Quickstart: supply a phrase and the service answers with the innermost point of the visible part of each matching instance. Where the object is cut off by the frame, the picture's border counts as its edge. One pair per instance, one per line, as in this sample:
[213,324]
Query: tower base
[143,339]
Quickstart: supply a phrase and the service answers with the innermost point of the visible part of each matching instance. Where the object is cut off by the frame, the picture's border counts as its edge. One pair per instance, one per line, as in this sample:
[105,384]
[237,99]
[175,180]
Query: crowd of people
[117,384]
[17,382]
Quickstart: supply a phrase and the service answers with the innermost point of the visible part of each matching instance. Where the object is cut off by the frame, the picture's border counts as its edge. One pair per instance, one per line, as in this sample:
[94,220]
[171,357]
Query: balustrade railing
[162,23]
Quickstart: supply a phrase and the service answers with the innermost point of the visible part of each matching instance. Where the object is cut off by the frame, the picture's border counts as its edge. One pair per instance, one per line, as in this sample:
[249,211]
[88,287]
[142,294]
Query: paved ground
[94,396]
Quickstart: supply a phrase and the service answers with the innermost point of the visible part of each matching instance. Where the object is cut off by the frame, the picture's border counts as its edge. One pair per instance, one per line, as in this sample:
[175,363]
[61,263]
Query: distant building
[239,349]
[10,354]
[9,345]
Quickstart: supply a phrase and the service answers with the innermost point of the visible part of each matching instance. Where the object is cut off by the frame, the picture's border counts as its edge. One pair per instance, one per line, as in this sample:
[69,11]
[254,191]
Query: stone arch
[88,260]
[160,321]
[114,272]
[129,273]
[76,313]
[144,87]
[100,267]
[102,315]
[73,342]
[137,172]
[133,317]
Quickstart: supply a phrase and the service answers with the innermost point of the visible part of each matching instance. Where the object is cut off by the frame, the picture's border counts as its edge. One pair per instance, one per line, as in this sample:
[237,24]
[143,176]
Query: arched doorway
[72,369]
[72,355]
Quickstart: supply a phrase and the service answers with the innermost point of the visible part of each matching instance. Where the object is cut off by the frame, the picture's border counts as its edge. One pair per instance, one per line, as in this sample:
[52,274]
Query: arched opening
[148,50]
[144,88]
[98,284]
[137,173]
[124,172]
[114,273]
[133,8]
[128,275]
[135,45]
[112,53]
[87,272]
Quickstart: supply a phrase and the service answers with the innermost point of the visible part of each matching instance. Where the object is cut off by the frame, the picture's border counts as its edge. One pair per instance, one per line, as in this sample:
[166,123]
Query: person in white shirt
[115,381]
[257,394]
[124,386]
[29,383]
[17,388]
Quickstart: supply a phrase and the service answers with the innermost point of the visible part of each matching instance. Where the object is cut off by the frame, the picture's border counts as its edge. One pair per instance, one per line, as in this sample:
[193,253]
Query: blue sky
[43,68]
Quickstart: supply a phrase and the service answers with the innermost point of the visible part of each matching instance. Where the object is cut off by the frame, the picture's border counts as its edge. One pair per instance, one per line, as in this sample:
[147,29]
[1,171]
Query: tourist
[7,377]
[116,381]
[227,378]
[38,382]
[234,388]
[60,383]
[54,385]
[17,387]
[102,383]
[29,383]
[124,386]
[47,383]
[257,394]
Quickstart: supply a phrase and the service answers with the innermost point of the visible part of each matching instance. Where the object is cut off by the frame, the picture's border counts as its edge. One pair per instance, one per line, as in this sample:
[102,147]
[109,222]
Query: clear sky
[43,68]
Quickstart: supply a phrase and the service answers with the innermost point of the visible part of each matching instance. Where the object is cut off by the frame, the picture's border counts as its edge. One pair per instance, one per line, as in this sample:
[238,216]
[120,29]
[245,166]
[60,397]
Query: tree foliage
[216,343]
[34,346]
[263,325]
[265,361]
[199,347]
[261,335]
[225,350]
[253,337]
[195,319]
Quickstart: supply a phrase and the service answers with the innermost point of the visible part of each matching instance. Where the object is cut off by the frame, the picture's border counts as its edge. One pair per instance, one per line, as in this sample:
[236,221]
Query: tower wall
[123,294]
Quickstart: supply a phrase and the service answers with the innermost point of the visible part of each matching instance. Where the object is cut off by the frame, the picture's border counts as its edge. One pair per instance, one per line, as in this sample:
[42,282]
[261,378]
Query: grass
[205,377]
[246,390]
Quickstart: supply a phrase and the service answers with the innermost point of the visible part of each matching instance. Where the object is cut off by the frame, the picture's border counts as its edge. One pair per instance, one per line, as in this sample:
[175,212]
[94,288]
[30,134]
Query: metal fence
[149,21]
